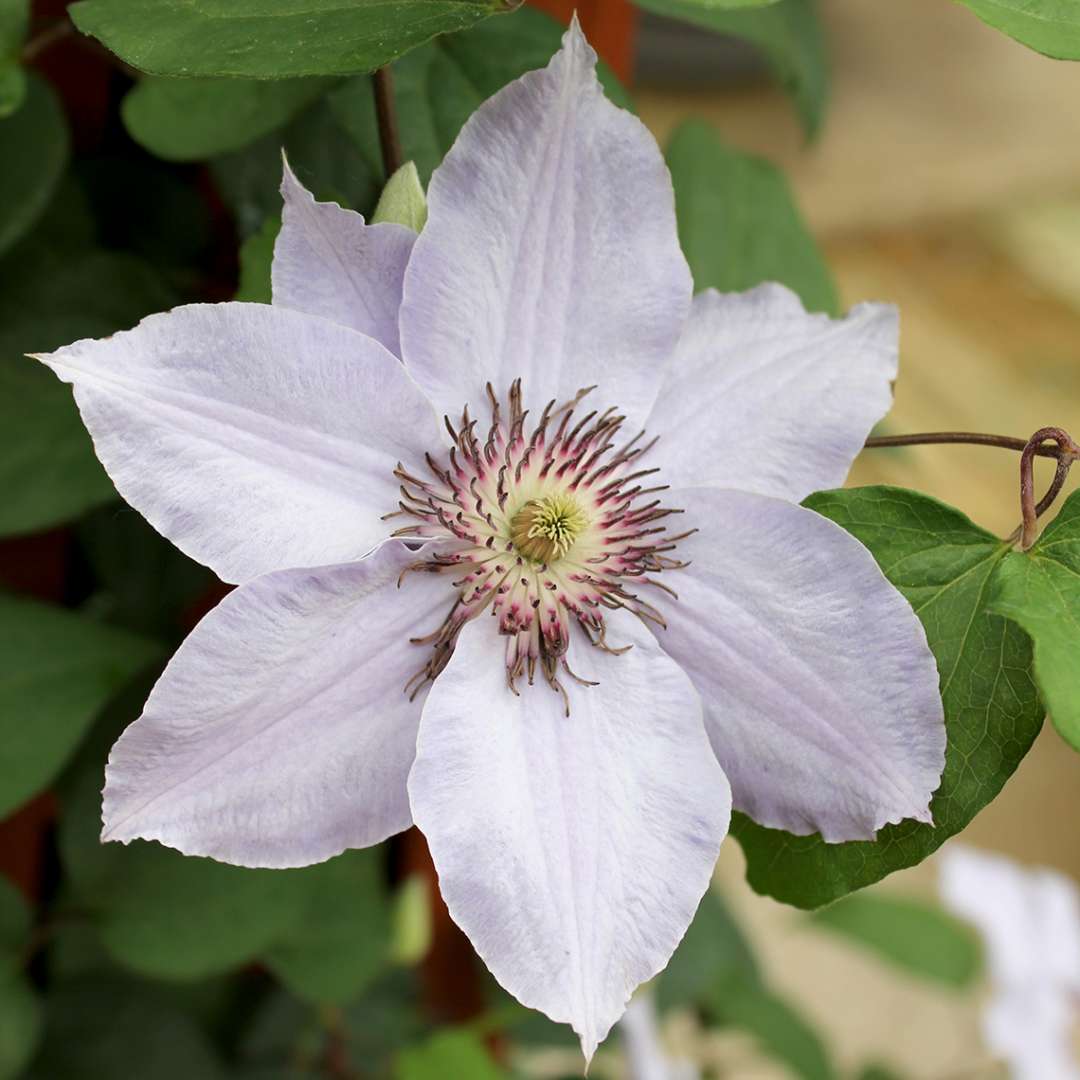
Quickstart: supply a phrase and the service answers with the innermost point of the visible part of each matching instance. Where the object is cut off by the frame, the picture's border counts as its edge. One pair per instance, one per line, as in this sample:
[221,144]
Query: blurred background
[943,176]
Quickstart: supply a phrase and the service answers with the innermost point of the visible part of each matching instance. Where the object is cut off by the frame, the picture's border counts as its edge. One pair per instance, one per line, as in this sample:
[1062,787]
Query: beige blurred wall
[947,180]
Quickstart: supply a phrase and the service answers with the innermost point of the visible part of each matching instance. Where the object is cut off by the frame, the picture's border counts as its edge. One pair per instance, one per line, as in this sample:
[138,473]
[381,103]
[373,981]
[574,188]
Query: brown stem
[975,438]
[42,41]
[1066,452]
[386,115]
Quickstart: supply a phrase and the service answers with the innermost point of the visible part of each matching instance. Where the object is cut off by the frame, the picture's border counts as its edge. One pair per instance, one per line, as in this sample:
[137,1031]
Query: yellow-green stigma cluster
[544,529]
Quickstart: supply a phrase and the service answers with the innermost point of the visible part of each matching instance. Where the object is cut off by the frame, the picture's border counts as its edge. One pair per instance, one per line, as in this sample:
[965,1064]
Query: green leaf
[266,39]
[789,36]
[20,1011]
[1048,26]
[1040,589]
[448,1053]
[340,942]
[779,1030]
[20,1025]
[738,223]
[920,938]
[192,119]
[402,200]
[322,155]
[943,564]
[167,915]
[117,1029]
[14,20]
[34,150]
[48,298]
[145,584]
[713,952]
[57,671]
[256,259]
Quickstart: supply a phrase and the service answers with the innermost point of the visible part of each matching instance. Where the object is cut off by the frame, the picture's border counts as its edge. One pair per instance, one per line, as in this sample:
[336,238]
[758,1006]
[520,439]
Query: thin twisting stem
[975,438]
[386,116]
[1067,452]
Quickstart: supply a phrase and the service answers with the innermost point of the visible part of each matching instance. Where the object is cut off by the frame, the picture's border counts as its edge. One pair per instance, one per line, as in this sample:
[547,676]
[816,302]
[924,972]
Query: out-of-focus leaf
[1048,26]
[57,671]
[20,1011]
[256,258]
[1040,589]
[14,19]
[166,915]
[713,952]
[738,223]
[780,1031]
[321,154]
[919,938]
[265,39]
[877,1072]
[192,119]
[145,583]
[34,150]
[448,1053]
[943,564]
[402,200]
[340,940]
[48,298]
[411,925]
[437,88]
[789,36]
[115,1029]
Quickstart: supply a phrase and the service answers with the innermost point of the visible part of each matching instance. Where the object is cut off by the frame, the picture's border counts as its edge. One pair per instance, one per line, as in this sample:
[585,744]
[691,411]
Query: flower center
[545,529]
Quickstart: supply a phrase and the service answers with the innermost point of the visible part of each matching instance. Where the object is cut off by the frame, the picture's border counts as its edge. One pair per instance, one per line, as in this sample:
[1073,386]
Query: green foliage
[1048,26]
[448,1053]
[20,1011]
[34,150]
[714,969]
[411,925]
[738,223]
[1040,589]
[787,33]
[943,564]
[256,258]
[123,1030]
[340,941]
[403,200]
[14,18]
[57,671]
[191,119]
[51,294]
[265,39]
[920,938]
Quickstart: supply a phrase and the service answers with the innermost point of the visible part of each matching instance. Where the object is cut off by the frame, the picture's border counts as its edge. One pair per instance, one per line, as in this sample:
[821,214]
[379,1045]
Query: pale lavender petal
[328,262]
[761,396]
[1029,920]
[572,850]
[643,1047]
[820,691]
[280,733]
[550,250]
[254,438]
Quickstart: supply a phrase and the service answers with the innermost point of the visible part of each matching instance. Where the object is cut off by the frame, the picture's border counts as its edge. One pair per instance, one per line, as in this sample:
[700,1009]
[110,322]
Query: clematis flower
[552,629]
[646,1056]
[1030,923]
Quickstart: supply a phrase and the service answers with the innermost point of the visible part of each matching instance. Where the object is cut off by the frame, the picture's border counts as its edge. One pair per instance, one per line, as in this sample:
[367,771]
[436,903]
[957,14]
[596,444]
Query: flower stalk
[386,118]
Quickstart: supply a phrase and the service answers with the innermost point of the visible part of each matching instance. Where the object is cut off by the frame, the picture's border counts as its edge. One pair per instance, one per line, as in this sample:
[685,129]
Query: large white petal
[573,850]
[763,397]
[328,262]
[820,691]
[280,733]
[550,250]
[254,438]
